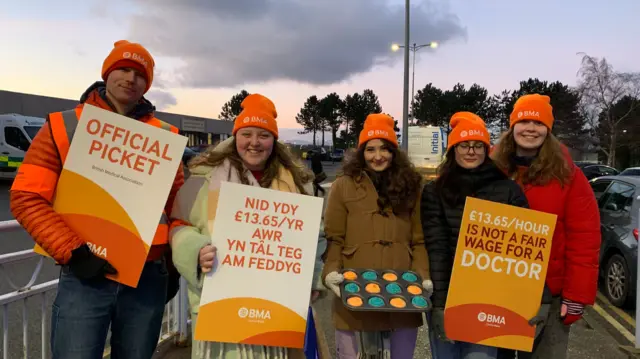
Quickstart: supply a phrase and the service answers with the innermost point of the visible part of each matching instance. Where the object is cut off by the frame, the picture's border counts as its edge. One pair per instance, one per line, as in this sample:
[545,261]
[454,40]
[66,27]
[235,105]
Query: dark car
[617,200]
[324,155]
[337,155]
[594,170]
[187,155]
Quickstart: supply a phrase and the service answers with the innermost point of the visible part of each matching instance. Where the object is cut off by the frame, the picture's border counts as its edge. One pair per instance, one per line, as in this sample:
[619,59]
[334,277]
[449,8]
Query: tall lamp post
[414,48]
[405,95]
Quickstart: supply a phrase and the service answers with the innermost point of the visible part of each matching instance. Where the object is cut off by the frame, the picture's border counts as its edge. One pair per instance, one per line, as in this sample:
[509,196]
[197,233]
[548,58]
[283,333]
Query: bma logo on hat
[135,57]
[370,133]
[254,119]
[522,114]
[463,134]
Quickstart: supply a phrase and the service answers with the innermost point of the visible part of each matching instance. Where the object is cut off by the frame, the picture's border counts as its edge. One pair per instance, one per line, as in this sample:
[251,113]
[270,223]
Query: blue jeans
[459,350]
[84,309]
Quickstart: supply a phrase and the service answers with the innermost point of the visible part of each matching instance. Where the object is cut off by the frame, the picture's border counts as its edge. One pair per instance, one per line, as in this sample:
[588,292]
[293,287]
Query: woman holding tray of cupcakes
[530,154]
[375,246]
[466,171]
[254,157]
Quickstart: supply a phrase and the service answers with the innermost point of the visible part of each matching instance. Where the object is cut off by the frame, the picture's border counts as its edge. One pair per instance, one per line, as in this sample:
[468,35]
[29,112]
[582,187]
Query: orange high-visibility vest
[63,126]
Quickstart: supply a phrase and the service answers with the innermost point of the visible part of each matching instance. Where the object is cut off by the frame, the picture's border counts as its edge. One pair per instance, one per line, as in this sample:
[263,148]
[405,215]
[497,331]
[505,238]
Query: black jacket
[316,163]
[442,208]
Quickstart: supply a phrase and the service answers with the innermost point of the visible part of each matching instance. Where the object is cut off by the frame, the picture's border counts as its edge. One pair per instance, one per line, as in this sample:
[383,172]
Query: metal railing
[175,324]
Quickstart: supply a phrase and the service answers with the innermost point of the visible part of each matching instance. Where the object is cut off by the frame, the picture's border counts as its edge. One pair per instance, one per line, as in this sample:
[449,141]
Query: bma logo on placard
[254,315]
[491,320]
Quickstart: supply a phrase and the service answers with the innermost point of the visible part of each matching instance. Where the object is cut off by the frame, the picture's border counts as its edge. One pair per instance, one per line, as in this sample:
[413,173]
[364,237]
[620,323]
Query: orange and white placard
[260,286]
[114,186]
[498,274]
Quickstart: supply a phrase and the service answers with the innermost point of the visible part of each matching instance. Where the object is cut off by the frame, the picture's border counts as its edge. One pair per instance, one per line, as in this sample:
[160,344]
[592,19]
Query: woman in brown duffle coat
[372,221]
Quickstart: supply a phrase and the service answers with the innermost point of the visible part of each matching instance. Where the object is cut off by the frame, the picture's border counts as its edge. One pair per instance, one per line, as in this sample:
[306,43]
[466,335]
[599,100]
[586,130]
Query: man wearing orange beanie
[87,303]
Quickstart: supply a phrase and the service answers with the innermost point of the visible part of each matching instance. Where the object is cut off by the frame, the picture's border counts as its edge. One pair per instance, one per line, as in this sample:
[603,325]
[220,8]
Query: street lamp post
[414,48]
[405,95]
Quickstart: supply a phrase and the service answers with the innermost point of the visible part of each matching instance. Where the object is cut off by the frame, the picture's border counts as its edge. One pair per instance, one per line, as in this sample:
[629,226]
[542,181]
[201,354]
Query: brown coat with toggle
[360,235]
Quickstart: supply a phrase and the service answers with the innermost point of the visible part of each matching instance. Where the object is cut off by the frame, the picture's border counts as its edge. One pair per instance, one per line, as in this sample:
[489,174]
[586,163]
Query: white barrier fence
[175,324]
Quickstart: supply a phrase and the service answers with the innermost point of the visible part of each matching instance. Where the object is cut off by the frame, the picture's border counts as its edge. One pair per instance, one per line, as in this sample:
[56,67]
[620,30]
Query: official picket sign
[114,185]
[498,274]
[260,284]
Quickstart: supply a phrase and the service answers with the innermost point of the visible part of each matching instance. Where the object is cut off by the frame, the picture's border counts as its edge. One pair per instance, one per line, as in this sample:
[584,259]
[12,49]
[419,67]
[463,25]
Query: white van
[16,134]
[427,147]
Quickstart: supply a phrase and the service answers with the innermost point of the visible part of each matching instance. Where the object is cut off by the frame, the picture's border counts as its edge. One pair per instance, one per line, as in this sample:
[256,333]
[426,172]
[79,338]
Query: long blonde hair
[281,156]
[551,162]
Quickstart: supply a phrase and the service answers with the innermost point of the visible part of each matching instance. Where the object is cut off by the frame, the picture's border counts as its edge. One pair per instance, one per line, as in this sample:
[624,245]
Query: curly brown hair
[550,164]
[280,156]
[398,186]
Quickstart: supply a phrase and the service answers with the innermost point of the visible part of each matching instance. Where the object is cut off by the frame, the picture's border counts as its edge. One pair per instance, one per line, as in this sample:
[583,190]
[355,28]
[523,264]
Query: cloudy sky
[206,50]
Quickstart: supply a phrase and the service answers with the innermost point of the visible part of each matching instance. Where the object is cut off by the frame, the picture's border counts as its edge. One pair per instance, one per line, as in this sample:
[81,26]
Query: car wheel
[616,280]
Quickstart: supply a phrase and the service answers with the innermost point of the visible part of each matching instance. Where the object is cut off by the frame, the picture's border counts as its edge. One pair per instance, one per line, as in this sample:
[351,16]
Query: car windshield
[32,131]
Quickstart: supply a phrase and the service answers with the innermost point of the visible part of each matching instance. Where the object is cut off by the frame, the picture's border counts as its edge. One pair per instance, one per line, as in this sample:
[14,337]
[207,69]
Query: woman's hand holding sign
[206,258]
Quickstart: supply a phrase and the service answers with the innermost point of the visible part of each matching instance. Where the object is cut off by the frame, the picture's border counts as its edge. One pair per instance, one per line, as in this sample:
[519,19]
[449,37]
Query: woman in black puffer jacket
[467,171]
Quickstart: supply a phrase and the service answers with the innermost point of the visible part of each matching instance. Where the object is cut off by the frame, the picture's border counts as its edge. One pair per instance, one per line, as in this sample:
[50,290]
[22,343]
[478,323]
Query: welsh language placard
[259,289]
[498,274]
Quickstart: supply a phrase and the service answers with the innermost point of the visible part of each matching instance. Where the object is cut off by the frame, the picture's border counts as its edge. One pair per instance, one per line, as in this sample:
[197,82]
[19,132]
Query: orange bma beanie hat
[467,126]
[378,125]
[534,107]
[257,111]
[127,54]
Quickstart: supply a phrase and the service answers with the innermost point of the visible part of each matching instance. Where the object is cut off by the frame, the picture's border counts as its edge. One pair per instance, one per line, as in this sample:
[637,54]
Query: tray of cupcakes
[383,290]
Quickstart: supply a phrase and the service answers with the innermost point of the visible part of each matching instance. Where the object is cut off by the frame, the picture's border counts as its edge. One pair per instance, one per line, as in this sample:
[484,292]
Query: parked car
[337,155]
[323,153]
[631,171]
[199,148]
[618,204]
[187,155]
[594,170]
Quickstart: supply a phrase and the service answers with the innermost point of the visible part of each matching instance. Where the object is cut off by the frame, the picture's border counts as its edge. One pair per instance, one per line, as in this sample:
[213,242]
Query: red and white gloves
[570,311]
